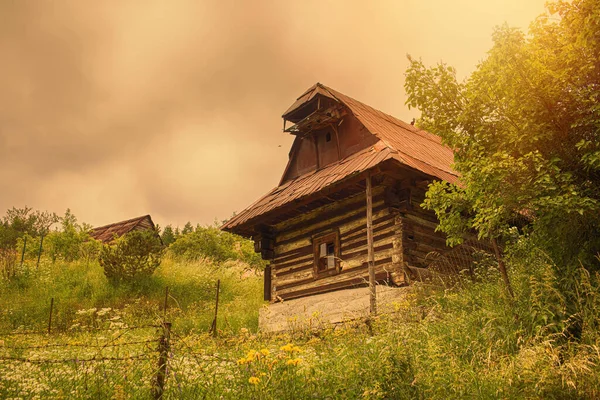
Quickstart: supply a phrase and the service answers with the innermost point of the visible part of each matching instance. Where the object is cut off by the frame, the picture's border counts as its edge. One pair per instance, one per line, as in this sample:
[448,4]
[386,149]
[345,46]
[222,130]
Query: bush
[134,255]
[72,242]
[210,242]
[9,266]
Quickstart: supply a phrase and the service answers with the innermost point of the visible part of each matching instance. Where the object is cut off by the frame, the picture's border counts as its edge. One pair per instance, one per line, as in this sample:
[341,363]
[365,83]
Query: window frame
[330,237]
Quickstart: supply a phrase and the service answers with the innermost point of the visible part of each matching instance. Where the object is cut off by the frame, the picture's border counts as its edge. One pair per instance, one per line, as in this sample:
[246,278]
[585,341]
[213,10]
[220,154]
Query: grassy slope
[471,342]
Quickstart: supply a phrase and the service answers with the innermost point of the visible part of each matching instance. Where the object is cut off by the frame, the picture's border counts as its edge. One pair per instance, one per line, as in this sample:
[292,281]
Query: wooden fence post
[23,252]
[166,300]
[50,317]
[213,328]
[37,266]
[164,346]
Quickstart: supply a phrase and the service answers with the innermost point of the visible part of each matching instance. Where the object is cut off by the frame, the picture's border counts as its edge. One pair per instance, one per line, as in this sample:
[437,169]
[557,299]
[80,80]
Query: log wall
[292,272]
[419,235]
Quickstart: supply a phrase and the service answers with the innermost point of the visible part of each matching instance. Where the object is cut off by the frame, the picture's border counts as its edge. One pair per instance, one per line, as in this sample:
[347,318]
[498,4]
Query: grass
[80,286]
[467,342]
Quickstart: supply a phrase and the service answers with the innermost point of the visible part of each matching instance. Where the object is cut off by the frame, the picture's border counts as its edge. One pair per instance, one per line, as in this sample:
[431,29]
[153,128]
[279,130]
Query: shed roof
[107,233]
[399,141]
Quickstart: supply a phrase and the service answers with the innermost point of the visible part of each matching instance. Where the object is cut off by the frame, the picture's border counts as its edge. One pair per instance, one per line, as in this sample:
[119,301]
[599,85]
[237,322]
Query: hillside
[468,341]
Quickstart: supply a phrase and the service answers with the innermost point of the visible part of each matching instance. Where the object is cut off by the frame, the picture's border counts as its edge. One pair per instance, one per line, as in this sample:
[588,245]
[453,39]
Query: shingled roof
[398,141]
[107,233]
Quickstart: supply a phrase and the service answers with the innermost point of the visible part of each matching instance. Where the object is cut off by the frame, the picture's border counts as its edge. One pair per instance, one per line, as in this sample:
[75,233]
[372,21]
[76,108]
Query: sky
[117,109]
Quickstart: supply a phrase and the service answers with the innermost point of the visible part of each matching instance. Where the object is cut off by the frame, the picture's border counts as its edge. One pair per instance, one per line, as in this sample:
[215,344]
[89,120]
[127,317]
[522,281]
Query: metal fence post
[164,345]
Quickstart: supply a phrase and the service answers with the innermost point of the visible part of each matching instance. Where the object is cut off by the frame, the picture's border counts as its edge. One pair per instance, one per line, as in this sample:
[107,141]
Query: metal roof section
[107,233]
[399,141]
[312,182]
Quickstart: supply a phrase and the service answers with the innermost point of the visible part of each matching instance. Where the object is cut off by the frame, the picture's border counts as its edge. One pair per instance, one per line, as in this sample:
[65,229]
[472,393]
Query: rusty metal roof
[107,233]
[398,140]
[313,182]
[416,148]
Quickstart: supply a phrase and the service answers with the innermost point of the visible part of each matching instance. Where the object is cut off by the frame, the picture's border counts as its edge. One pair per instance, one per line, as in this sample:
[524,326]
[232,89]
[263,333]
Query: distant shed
[107,233]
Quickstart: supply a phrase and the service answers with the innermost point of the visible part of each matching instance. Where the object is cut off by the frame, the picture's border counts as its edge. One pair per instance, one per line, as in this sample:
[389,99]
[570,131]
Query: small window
[327,254]
[328,137]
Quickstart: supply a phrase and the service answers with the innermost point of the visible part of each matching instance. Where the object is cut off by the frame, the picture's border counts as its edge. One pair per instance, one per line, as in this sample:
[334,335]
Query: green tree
[525,129]
[134,255]
[168,236]
[72,241]
[188,228]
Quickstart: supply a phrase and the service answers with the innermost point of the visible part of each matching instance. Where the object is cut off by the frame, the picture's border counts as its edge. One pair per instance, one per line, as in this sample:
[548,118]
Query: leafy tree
[525,129]
[168,236]
[188,228]
[72,241]
[19,222]
[134,255]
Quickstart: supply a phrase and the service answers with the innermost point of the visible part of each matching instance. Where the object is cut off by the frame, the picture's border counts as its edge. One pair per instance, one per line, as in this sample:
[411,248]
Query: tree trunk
[502,267]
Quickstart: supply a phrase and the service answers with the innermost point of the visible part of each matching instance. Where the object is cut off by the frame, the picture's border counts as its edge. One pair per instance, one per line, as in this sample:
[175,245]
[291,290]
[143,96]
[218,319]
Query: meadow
[468,341]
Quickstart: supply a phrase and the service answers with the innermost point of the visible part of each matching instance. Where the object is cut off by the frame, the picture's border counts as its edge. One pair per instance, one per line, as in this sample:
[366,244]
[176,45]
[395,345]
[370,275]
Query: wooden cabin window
[326,248]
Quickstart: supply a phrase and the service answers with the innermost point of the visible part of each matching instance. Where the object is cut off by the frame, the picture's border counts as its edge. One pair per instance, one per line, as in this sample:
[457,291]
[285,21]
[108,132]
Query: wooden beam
[370,249]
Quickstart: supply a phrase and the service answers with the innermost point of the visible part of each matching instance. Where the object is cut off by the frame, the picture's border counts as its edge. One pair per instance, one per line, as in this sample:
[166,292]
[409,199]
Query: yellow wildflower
[265,352]
[253,380]
[293,361]
[242,361]
[252,354]
[288,348]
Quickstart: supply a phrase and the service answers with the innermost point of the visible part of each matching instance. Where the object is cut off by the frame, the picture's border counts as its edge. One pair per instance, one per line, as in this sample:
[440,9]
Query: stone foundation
[321,310]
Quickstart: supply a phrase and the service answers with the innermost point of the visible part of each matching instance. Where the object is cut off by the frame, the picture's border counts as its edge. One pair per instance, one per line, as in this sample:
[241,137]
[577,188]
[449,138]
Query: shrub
[72,242]
[8,264]
[134,255]
[210,242]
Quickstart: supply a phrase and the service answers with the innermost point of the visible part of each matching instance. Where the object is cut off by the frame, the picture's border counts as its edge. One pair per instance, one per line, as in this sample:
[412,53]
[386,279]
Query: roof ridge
[123,222]
[396,121]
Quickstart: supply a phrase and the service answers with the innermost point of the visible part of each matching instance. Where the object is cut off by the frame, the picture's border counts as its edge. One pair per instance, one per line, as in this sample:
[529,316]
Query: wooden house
[108,233]
[350,194]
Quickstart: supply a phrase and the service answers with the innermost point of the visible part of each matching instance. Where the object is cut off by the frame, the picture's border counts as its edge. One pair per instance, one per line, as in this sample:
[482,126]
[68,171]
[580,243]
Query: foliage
[72,241]
[188,228]
[524,127]
[211,242]
[452,343]
[9,268]
[135,255]
[168,235]
[24,221]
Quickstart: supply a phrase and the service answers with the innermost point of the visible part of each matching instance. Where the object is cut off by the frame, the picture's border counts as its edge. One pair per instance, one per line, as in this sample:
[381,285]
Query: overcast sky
[117,109]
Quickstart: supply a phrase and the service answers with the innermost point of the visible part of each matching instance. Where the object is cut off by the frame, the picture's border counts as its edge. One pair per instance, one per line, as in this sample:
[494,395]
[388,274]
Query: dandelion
[253,380]
[242,361]
[265,352]
[293,361]
[290,348]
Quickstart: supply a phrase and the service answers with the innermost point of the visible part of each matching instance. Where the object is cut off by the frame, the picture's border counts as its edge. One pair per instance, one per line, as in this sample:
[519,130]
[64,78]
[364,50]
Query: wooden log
[370,248]
[398,273]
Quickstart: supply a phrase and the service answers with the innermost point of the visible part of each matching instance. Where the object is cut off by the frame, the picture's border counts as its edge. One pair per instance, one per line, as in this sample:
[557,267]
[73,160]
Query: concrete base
[321,310]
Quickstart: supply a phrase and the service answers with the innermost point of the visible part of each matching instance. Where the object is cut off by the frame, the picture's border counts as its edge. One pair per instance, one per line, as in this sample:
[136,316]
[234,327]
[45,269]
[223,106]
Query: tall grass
[81,285]
[470,341]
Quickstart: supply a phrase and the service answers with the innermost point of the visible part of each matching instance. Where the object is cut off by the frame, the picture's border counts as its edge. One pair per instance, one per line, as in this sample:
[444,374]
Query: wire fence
[141,361]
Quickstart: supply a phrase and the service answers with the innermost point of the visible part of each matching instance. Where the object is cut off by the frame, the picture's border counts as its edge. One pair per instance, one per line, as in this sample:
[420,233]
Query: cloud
[118,109]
